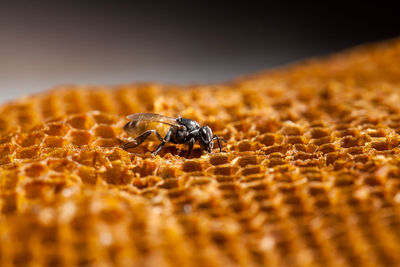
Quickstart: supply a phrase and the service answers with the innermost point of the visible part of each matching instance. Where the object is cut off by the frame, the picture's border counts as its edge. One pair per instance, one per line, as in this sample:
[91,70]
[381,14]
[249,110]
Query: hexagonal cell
[145,168]
[88,175]
[104,118]
[102,142]
[375,132]
[268,139]
[245,145]
[81,122]
[61,165]
[251,169]
[276,162]
[9,202]
[9,180]
[120,154]
[105,131]
[35,170]
[380,145]
[350,141]
[7,149]
[54,141]
[80,138]
[170,183]
[117,174]
[219,158]
[322,141]
[56,129]
[225,170]
[30,139]
[37,189]
[303,156]
[275,148]
[293,140]
[28,152]
[192,166]
[344,180]
[245,160]
[327,148]
[200,181]
[292,129]
[319,132]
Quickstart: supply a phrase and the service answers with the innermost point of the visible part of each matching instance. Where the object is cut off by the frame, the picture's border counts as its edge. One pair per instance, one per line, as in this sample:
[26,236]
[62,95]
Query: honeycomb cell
[380,145]
[245,145]
[56,129]
[294,140]
[245,160]
[170,183]
[292,130]
[327,148]
[88,175]
[349,141]
[30,139]
[80,138]
[61,165]
[219,159]
[104,118]
[81,122]
[276,161]
[251,169]
[145,168]
[9,202]
[54,142]
[344,180]
[8,180]
[319,132]
[34,189]
[104,131]
[7,149]
[107,142]
[117,174]
[303,156]
[322,141]
[192,166]
[35,170]
[31,152]
[225,169]
[276,148]
[268,139]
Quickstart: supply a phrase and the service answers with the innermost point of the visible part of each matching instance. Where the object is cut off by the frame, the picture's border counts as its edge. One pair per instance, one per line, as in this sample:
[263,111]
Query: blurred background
[47,43]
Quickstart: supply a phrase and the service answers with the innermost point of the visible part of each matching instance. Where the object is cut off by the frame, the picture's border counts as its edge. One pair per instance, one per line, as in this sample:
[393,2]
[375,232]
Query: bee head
[206,138]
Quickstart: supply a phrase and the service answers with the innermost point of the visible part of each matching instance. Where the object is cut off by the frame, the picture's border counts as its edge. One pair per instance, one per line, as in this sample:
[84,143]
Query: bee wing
[152,117]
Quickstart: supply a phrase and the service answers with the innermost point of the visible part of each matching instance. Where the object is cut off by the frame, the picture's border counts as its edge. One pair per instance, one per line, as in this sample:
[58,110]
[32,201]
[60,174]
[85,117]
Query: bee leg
[163,142]
[191,144]
[219,142]
[141,138]
[129,145]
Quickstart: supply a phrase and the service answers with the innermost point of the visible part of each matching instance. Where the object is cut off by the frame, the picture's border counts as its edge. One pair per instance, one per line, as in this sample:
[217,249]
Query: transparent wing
[152,117]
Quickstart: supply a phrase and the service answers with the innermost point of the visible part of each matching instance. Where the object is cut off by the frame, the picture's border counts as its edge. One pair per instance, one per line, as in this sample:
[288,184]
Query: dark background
[45,43]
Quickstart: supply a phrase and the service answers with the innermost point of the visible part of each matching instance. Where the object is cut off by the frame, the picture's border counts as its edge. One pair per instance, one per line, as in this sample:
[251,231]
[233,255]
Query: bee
[177,131]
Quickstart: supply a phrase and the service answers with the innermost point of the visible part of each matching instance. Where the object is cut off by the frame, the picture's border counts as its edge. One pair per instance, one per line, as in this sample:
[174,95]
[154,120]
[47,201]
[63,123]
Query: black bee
[178,131]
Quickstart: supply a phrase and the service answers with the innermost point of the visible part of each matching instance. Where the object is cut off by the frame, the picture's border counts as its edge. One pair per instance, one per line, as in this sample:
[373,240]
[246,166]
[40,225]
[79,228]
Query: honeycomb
[309,175]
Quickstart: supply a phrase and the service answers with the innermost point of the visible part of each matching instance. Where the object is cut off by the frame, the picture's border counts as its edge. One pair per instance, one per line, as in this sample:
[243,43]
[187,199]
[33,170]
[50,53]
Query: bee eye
[206,134]
[203,135]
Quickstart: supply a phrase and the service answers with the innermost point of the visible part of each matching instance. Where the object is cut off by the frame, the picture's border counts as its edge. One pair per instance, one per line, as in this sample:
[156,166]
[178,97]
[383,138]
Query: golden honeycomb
[309,176]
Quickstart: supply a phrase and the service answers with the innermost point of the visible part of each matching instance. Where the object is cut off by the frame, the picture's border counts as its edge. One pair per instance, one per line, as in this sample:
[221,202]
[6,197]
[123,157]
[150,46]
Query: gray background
[46,43]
